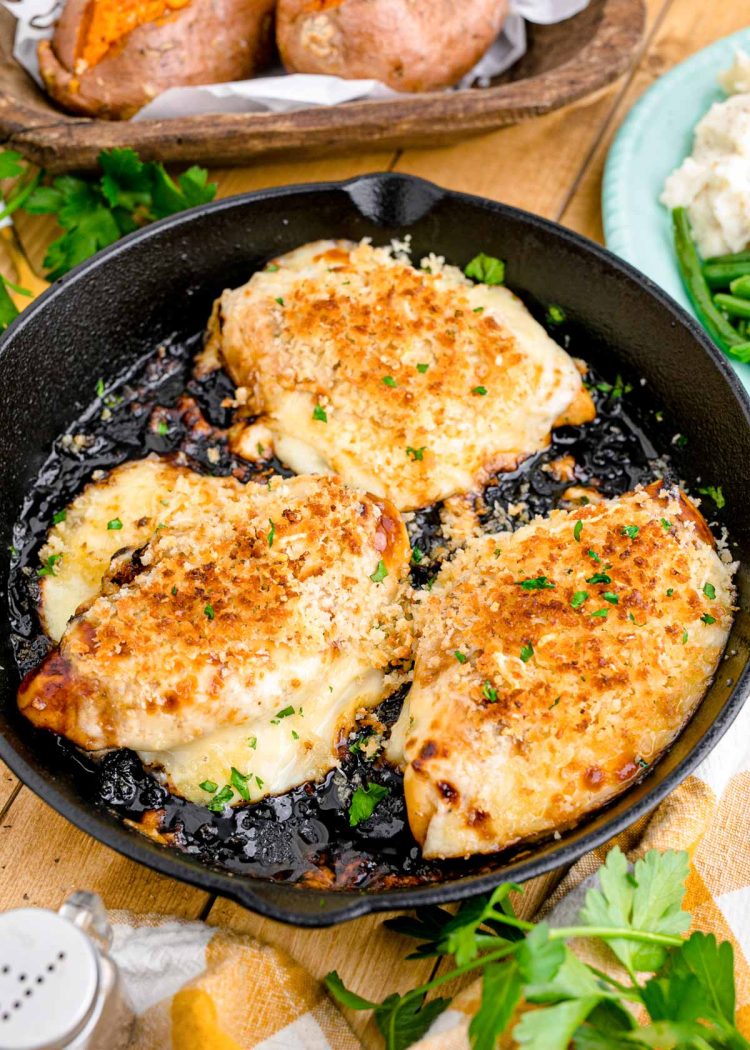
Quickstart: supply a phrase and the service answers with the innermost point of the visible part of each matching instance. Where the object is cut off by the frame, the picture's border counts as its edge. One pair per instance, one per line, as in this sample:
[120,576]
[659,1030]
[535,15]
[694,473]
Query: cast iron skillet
[162,280]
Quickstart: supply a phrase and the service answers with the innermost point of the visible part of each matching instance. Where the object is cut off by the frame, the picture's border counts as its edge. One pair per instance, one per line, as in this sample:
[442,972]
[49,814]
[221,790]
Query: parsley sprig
[683,989]
[97,210]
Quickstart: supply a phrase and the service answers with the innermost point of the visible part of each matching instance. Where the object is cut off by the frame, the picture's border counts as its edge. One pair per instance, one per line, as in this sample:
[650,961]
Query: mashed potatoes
[714,182]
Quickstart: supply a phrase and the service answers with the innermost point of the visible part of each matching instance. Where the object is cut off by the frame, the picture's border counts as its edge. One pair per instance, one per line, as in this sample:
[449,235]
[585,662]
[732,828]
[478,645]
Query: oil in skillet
[303,835]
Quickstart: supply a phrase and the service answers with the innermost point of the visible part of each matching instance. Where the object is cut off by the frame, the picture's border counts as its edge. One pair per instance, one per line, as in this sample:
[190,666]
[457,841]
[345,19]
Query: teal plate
[654,139]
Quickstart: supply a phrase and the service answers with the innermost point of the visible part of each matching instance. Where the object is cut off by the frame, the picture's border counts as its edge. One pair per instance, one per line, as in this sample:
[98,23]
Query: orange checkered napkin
[196,987]
[709,816]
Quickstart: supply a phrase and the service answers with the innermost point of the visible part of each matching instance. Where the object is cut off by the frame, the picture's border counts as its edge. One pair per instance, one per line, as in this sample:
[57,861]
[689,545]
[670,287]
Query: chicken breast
[554,665]
[235,646]
[411,383]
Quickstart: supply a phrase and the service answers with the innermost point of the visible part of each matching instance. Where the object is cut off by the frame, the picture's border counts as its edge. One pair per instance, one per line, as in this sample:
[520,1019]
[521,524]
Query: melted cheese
[559,695]
[248,601]
[138,496]
[411,384]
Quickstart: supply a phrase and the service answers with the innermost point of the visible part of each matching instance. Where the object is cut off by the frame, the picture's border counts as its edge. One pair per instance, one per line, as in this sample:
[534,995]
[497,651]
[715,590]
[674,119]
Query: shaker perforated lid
[49,979]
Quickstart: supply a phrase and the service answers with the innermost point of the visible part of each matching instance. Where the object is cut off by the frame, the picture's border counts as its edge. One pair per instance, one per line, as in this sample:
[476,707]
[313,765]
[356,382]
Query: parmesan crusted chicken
[233,642]
[554,665]
[414,384]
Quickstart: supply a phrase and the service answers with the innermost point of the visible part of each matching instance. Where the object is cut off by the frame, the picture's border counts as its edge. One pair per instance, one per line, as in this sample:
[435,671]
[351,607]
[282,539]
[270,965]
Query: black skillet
[162,280]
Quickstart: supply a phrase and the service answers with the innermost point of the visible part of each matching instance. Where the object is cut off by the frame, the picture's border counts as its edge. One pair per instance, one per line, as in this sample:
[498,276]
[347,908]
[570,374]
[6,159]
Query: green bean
[732,305]
[733,257]
[717,326]
[720,275]
[741,286]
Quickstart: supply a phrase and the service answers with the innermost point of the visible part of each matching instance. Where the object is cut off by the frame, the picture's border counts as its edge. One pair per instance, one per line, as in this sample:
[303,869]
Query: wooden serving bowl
[563,63]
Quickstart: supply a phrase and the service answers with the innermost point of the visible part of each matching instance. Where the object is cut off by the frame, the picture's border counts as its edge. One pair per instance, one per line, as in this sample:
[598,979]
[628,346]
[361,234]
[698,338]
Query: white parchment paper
[278,91]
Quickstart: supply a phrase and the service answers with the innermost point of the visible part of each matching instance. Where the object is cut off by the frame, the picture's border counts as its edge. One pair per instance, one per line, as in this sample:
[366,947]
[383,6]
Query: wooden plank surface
[552,166]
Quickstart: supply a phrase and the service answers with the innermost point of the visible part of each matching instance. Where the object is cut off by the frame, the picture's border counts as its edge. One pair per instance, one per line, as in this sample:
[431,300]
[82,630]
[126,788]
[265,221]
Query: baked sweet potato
[108,58]
[411,45]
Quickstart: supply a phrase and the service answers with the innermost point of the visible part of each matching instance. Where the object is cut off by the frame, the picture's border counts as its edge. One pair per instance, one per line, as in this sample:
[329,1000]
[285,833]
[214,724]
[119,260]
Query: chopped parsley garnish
[422,368]
[577,530]
[603,613]
[709,590]
[555,702]
[527,651]
[295,735]
[279,300]
[47,567]
[271,268]
[258,781]
[594,556]
[162,427]
[114,525]
[415,453]
[666,525]
[461,657]
[100,388]
[670,592]
[389,381]
[631,531]
[174,589]
[208,611]
[208,785]
[618,389]
[478,310]
[489,692]
[239,782]
[319,413]
[680,440]
[486,269]
[285,712]
[58,516]
[380,573]
[363,803]
[271,533]
[684,637]
[220,800]
[611,597]
[716,494]
[13,551]
[479,391]
[252,742]
[599,577]
[642,763]
[659,415]
[632,619]
[555,314]
[708,618]
[536,583]
[579,598]
[417,556]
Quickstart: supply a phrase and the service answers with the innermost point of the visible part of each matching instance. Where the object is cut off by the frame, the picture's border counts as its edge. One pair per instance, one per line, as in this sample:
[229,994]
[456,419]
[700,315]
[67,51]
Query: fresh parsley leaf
[709,590]
[389,381]
[501,993]
[577,530]
[553,1027]
[58,516]
[527,651]
[47,567]
[461,657]
[219,801]
[285,712]
[422,368]
[208,611]
[707,618]
[239,783]
[579,598]
[271,533]
[380,573]
[716,494]
[611,597]
[11,164]
[479,391]
[208,785]
[363,803]
[536,583]
[599,577]
[417,555]
[489,692]
[650,900]
[539,958]
[415,453]
[319,413]
[486,269]
[114,525]
[631,531]
[555,314]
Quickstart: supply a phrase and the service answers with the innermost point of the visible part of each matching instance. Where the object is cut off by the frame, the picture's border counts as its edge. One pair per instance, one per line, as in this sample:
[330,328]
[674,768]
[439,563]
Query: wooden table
[552,166]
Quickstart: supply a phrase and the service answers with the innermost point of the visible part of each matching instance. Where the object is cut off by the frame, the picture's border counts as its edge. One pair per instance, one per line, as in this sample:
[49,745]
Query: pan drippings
[304,834]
